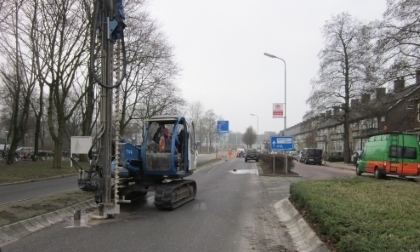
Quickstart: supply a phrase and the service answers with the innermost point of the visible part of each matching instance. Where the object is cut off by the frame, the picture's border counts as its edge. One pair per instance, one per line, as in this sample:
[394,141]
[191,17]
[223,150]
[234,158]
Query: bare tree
[208,125]
[250,137]
[399,41]
[149,88]
[348,69]
[6,12]
[195,113]
[19,78]
[64,50]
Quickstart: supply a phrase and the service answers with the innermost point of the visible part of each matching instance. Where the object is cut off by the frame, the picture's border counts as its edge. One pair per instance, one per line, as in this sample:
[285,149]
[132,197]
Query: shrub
[362,214]
[267,162]
[335,159]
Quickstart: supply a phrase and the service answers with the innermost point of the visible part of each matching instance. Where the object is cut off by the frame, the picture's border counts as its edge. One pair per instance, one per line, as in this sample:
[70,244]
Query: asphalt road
[23,191]
[233,211]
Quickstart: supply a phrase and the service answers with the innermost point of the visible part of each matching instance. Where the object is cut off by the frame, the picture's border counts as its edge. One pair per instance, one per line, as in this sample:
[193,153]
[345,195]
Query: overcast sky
[220,45]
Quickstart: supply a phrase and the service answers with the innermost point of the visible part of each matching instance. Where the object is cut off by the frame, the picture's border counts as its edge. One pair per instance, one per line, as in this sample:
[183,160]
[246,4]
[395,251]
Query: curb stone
[40,179]
[304,238]
[14,231]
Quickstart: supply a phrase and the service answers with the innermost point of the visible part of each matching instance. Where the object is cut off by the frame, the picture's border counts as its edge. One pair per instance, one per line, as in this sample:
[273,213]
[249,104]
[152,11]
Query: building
[375,112]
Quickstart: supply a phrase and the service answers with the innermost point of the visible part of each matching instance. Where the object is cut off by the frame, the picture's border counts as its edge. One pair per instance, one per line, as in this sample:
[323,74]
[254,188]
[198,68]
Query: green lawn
[29,170]
[362,214]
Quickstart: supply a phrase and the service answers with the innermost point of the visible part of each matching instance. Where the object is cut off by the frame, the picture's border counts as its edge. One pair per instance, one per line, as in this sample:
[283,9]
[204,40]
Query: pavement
[341,165]
[303,237]
[14,231]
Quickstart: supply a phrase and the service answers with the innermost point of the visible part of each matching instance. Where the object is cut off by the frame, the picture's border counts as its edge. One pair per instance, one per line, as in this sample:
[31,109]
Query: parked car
[251,154]
[311,155]
[355,156]
[392,154]
[240,152]
[294,154]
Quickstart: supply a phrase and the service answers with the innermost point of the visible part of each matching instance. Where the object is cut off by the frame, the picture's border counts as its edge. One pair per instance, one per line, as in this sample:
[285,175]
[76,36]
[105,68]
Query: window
[337,145]
[402,152]
[418,112]
[410,152]
[374,123]
[383,118]
[395,151]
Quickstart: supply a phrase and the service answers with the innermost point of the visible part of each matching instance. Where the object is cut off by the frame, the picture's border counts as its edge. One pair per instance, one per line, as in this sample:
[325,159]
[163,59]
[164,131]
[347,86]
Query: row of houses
[379,111]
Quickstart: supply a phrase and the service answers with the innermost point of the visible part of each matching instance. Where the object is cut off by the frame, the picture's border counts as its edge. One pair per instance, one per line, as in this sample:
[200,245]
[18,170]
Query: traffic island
[274,165]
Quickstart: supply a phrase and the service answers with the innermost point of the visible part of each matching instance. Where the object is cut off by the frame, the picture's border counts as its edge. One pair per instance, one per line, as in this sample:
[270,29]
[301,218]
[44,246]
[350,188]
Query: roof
[372,108]
[162,118]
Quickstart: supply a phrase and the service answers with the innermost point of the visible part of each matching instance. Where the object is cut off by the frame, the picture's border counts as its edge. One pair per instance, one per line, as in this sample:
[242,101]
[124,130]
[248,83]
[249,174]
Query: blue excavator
[121,172]
[149,166]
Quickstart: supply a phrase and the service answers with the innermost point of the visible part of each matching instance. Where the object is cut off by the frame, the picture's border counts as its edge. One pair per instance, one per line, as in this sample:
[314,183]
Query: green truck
[390,154]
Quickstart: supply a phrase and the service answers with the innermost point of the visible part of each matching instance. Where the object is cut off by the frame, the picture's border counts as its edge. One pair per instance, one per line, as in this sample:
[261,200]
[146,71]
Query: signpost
[222,126]
[283,143]
[79,145]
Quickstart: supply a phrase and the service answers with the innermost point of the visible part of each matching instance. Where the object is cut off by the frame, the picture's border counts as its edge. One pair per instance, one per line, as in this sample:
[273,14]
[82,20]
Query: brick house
[397,110]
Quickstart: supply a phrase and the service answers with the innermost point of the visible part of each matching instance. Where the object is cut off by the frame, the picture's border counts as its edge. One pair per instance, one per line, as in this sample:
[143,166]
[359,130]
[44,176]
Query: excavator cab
[167,151]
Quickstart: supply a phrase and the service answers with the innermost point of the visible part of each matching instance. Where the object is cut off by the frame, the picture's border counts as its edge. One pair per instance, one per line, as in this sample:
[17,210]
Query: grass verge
[29,170]
[361,214]
[21,210]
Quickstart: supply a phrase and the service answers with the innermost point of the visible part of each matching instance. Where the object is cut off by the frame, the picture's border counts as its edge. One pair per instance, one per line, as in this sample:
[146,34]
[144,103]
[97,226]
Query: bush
[267,162]
[335,159]
[361,214]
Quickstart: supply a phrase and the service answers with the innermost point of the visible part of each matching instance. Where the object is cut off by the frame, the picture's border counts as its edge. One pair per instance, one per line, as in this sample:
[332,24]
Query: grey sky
[219,44]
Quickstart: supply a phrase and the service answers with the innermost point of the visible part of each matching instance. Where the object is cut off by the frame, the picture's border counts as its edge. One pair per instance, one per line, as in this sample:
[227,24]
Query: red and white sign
[278,110]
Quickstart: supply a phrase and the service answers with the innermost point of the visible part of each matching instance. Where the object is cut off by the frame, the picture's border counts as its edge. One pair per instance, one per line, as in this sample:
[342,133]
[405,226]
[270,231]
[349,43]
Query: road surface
[23,191]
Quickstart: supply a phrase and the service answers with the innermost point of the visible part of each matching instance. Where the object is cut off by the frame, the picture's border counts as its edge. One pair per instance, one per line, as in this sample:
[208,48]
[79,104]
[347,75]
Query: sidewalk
[341,165]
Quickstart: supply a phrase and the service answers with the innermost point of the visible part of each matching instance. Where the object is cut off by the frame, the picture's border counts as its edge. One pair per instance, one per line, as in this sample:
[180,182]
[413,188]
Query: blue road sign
[222,126]
[281,142]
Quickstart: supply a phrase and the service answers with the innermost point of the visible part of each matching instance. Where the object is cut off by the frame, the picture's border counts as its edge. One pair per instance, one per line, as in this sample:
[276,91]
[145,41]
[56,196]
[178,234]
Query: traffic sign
[222,126]
[281,142]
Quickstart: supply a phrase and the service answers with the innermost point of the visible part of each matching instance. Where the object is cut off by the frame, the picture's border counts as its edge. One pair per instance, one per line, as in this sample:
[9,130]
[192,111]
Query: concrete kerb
[304,238]
[14,231]
[41,179]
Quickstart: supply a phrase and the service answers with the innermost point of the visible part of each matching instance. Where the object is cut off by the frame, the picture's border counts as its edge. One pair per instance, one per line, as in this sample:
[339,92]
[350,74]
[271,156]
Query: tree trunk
[58,147]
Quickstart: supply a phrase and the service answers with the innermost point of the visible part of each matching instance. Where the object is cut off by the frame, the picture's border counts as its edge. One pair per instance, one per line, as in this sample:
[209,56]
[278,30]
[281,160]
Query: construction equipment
[148,168]
[143,168]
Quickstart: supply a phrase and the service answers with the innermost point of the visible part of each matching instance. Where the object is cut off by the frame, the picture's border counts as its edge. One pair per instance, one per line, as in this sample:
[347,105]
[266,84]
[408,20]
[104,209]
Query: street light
[257,125]
[284,115]
[284,109]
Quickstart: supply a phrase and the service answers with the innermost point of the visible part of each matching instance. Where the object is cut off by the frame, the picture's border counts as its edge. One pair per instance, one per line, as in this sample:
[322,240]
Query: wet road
[233,211]
[23,191]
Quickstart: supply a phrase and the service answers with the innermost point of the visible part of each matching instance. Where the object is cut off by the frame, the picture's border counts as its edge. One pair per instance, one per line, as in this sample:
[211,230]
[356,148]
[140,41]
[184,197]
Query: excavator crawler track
[174,194]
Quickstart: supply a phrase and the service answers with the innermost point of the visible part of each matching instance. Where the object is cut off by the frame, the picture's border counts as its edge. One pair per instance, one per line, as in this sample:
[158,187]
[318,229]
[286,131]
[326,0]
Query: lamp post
[284,116]
[284,109]
[257,126]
